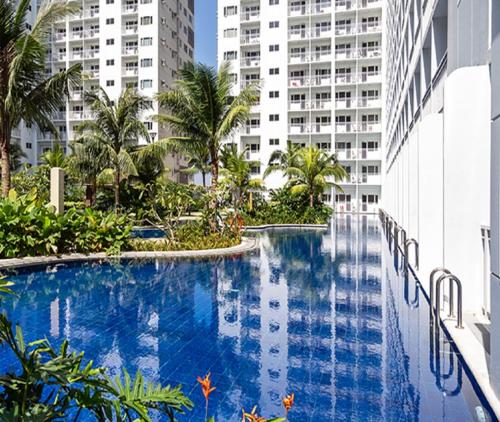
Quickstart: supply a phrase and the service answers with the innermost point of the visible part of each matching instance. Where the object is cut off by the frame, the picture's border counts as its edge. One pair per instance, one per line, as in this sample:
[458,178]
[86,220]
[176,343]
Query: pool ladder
[396,234]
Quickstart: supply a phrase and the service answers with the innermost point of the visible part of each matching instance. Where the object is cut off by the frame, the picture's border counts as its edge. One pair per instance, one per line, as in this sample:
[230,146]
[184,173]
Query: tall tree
[281,160]
[26,92]
[115,130]
[202,109]
[54,157]
[314,171]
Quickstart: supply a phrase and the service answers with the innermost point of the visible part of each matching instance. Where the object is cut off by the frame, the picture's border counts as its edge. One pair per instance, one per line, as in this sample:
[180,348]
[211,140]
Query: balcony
[370,179]
[60,115]
[251,129]
[129,29]
[345,78]
[345,29]
[369,4]
[130,71]
[344,103]
[250,39]
[297,82]
[321,104]
[298,129]
[323,56]
[91,13]
[130,8]
[344,127]
[321,80]
[370,154]
[59,37]
[321,33]
[77,96]
[297,105]
[369,28]
[370,77]
[300,10]
[92,33]
[250,61]
[92,74]
[369,52]
[369,127]
[245,83]
[76,35]
[297,34]
[345,53]
[76,55]
[322,128]
[79,115]
[91,54]
[344,5]
[60,57]
[312,9]
[250,16]
[297,58]
[370,102]
[130,51]
[346,154]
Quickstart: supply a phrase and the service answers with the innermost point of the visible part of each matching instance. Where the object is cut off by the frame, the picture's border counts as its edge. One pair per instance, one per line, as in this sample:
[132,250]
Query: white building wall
[325,49]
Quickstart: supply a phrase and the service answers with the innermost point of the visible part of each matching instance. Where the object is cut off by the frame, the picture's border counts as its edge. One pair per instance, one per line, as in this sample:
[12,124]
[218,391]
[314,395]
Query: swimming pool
[323,314]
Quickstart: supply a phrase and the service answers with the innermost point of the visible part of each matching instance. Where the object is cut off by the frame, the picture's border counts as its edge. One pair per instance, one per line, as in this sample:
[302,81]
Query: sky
[205,26]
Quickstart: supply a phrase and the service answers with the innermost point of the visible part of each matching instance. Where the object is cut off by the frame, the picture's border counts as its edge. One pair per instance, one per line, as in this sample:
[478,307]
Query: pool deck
[474,350]
[247,244]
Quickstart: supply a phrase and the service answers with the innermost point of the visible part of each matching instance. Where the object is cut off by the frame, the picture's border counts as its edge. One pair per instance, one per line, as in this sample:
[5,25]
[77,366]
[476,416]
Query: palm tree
[203,110]
[115,130]
[236,172]
[86,163]
[55,157]
[281,160]
[16,156]
[312,171]
[26,92]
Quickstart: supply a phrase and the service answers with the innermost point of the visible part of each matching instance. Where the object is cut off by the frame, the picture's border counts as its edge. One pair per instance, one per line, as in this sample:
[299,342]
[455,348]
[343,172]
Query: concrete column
[57,189]
[495,200]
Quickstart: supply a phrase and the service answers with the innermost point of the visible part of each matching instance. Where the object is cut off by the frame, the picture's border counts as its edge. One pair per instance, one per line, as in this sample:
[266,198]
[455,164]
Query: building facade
[119,43]
[320,67]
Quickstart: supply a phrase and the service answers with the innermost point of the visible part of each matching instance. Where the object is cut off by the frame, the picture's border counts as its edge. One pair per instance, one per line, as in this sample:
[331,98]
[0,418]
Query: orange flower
[206,385]
[252,416]
[288,401]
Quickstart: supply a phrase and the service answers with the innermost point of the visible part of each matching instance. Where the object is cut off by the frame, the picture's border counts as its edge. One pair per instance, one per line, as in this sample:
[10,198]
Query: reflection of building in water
[357,352]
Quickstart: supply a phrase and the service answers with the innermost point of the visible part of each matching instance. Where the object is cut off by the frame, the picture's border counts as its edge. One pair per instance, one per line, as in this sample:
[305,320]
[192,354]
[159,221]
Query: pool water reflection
[324,314]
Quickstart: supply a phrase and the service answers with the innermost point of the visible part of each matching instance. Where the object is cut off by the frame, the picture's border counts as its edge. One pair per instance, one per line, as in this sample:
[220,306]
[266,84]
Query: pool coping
[247,244]
[286,226]
[475,357]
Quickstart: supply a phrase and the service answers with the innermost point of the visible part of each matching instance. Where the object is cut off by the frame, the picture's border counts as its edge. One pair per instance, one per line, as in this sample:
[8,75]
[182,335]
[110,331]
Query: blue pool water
[323,314]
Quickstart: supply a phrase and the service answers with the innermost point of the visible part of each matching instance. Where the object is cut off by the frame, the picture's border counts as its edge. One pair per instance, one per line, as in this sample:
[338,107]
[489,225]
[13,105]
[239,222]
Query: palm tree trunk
[88,195]
[311,200]
[204,179]
[117,190]
[5,146]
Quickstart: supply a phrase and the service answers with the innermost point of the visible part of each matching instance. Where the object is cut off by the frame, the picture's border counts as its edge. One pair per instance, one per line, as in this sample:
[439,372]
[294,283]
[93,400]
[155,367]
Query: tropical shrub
[29,228]
[45,384]
[287,208]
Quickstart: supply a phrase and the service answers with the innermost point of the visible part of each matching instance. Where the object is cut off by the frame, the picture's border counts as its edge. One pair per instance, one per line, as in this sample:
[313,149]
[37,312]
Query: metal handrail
[431,284]
[452,279]
[407,256]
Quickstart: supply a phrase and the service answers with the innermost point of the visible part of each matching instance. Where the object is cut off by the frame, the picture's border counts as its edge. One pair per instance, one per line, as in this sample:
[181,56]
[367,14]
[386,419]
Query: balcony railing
[250,61]
[130,51]
[310,9]
[250,39]
[131,29]
[91,13]
[304,81]
[130,8]
[130,71]
[250,16]
[251,129]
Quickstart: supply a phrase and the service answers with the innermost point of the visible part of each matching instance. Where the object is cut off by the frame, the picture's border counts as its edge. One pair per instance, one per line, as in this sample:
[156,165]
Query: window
[146,41]
[230,33]
[254,148]
[274,94]
[230,10]
[146,20]
[110,21]
[110,62]
[233,77]
[28,145]
[274,71]
[274,47]
[149,125]
[255,170]
[146,62]
[274,141]
[146,83]
[110,41]
[274,24]
[230,55]
[274,117]
[110,1]
[110,83]
[274,2]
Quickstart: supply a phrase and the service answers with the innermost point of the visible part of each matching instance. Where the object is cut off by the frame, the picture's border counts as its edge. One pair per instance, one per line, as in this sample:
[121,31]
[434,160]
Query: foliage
[26,93]
[236,174]
[312,173]
[54,157]
[286,208]
[16,156]
[190,236]
[28,228]
[34,180]
[47,384]
[202,110]
[282,160]
[115,131]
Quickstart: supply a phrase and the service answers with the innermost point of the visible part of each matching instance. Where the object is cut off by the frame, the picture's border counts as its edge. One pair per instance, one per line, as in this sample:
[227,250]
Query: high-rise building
[119,43]
[320,65]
